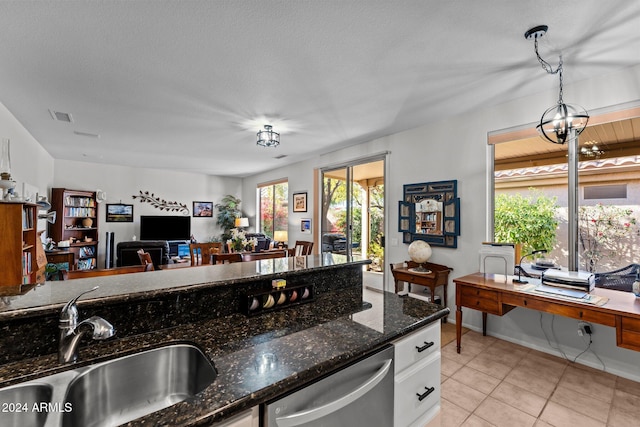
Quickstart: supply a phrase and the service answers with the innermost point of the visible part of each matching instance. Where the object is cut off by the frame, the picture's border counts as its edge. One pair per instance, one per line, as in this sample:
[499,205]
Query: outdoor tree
[605,231]
[273,208]
[335,191]
[529,220]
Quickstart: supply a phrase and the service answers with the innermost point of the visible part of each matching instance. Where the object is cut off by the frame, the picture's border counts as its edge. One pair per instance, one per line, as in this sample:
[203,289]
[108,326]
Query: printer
[579,280]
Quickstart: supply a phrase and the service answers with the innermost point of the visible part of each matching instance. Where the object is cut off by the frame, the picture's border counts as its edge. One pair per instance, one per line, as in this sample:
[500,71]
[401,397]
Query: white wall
[457,149]
[120,183]
[30,163]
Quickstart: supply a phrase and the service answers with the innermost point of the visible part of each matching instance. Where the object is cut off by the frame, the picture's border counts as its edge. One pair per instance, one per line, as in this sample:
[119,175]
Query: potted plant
[228,211]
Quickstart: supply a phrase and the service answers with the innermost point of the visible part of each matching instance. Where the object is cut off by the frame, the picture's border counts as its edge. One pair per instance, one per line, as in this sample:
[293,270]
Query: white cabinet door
[417,377]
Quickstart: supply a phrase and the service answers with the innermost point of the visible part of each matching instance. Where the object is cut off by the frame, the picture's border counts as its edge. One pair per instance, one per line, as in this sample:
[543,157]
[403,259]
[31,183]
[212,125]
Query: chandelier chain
[549,68]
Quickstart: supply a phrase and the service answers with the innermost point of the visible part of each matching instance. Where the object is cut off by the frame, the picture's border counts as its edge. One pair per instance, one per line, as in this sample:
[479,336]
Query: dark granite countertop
[308,341]
[51,296]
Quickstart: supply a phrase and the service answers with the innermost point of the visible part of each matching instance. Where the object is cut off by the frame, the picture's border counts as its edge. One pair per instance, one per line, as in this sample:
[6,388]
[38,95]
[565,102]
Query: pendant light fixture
[268,138]
[562,122]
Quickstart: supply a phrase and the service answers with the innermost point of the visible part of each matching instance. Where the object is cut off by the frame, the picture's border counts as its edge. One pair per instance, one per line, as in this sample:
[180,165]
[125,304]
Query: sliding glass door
[352,217]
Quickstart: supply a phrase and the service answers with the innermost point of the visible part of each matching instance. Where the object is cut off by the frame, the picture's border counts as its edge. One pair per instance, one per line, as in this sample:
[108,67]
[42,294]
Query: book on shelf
[86,251]
[27,218]
[26,263]
[86,264]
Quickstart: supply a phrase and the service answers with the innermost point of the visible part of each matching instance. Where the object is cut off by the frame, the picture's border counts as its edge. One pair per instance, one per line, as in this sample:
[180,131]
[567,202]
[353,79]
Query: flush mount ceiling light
[562,122]
[268,138]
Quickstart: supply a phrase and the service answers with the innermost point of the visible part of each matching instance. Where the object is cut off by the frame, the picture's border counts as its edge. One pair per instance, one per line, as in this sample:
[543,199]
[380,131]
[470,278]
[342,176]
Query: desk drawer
[480,299]
[628,333]
[584,312]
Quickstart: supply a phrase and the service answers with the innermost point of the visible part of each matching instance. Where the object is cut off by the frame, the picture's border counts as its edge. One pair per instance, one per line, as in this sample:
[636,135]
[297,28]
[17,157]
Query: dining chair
[201,252]
[302,248]
[145,259]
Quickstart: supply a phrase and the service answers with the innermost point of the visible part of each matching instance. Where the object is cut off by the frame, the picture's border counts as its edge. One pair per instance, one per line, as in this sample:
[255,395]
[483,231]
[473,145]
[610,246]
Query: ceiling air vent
[90,135]
[61,117]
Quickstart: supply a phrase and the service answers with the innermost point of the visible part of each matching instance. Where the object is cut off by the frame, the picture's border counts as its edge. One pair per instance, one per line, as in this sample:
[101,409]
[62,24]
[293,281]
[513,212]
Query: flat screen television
[166,227]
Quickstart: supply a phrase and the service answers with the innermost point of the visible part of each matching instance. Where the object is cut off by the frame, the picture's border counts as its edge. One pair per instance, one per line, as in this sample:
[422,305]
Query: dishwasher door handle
[302,417]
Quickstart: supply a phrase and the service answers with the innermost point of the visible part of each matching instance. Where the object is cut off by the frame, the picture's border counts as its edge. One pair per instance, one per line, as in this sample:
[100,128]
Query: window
[274,208]
[530,176]
[618,191]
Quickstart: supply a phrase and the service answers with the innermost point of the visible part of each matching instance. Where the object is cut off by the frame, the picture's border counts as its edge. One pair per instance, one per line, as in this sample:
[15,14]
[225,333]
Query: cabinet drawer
[417,346]
[628,335]
[480,299]
[421,381]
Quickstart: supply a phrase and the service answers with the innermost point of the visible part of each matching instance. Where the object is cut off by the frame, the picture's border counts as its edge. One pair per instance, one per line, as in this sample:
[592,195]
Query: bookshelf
[22,260]
[77,223]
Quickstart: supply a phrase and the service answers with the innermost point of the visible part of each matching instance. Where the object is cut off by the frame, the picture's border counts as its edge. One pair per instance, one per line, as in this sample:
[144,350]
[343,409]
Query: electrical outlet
[585,328]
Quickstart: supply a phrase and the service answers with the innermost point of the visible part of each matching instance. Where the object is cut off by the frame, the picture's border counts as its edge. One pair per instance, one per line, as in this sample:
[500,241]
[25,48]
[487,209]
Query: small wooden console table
[491,295]
[439,276]
[58,257]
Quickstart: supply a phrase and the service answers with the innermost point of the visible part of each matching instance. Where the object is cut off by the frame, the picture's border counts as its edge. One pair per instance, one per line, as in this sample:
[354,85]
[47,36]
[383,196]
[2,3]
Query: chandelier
[268,138]
[591,151]
[562,122]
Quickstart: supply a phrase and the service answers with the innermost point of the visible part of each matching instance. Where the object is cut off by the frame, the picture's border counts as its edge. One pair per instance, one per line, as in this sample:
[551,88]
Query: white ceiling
[186,85]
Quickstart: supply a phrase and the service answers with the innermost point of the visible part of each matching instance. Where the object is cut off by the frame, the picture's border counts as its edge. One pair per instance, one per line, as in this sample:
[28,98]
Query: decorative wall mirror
[430,211]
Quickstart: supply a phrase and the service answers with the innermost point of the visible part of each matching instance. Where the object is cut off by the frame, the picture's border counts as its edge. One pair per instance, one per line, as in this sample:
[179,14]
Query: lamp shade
[281,236]
[242,222]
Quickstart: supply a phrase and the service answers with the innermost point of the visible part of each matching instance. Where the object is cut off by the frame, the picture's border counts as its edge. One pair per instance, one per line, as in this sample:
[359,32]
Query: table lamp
[282,237]
[242,222]
[519,279]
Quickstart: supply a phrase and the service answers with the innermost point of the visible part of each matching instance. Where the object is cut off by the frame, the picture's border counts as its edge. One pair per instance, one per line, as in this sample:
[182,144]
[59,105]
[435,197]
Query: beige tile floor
[497,383]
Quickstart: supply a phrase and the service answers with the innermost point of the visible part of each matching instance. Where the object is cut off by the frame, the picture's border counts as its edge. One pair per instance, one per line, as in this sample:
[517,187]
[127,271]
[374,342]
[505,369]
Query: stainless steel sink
[21,405]
[121,390]
[113,392]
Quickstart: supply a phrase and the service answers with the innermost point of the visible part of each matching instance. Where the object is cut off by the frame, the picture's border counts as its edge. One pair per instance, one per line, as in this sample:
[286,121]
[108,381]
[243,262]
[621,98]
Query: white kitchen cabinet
[248,418]
[417,377]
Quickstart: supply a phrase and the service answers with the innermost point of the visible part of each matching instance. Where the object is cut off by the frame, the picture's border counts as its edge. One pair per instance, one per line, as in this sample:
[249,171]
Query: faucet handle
[69,311]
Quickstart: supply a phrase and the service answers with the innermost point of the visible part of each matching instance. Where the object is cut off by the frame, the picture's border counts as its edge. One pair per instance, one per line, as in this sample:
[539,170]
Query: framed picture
[300,202]
[203,209]
[118,212]
[305,225]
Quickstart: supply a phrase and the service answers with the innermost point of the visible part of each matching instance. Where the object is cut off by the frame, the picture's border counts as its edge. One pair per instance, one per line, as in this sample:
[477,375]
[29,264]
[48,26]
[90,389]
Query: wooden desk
[492,296]
[57,257]
[439,276]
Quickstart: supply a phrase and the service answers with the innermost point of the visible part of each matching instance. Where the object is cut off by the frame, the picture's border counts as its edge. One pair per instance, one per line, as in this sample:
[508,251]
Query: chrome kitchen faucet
[71,331]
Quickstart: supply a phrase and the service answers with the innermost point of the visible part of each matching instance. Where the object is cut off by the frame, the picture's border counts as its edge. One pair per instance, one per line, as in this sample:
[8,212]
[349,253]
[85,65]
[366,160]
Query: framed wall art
[203,209]
[300,202]
[305,225]
[118,212]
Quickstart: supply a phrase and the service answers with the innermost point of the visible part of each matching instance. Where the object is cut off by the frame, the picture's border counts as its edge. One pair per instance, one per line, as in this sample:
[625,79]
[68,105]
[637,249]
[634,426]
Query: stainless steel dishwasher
[359,395]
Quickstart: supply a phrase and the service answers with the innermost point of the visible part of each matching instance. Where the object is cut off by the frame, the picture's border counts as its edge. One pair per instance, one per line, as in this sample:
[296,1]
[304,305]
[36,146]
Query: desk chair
[303,248]
[255,256]
[145,259]
[201,253]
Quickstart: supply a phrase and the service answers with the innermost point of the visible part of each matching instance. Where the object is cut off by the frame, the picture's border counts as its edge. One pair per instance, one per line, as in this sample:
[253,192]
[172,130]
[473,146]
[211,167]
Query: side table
[58,257]
[439,276]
